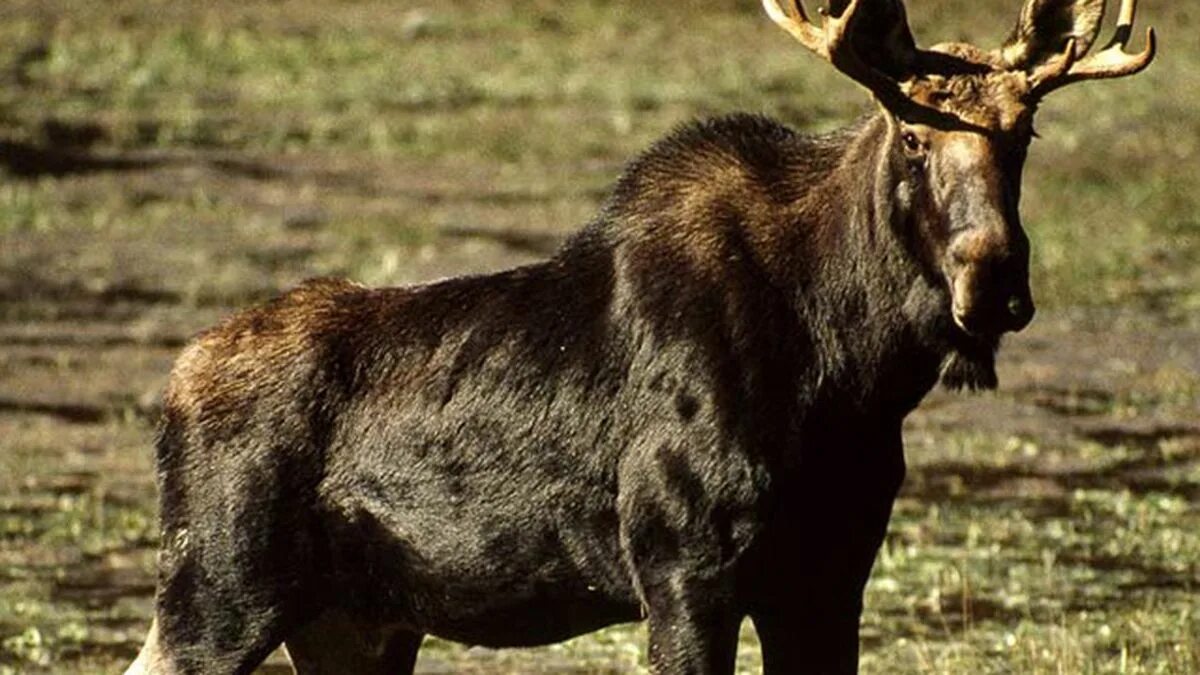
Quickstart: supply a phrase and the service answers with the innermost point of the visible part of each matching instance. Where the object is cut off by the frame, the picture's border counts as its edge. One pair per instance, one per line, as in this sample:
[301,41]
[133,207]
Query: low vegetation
[163,163]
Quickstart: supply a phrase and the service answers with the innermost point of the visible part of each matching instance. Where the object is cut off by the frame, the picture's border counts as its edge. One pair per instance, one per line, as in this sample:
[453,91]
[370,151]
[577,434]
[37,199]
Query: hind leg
[150,660]
[228,593]
[335,643]
[200,646]
[239,545]
[216,614]
[161,656]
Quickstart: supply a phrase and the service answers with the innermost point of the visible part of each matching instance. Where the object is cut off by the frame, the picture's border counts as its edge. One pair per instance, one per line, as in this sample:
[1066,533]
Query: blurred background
[163,163]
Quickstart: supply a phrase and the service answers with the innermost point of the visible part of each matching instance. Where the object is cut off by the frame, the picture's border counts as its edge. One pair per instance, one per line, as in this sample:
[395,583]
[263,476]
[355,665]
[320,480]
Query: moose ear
[1045,27]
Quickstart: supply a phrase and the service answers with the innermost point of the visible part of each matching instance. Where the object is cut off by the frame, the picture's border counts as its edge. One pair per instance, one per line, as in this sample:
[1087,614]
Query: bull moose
[690,414]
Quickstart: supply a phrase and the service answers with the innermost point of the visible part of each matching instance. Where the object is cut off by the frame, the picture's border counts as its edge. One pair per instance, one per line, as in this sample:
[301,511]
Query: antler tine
[1112,61]
[1125,14]
[792,18]
[836,28]
[830,43]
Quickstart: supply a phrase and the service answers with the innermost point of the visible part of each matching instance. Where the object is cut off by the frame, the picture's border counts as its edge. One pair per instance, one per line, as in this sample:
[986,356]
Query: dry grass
[167,162]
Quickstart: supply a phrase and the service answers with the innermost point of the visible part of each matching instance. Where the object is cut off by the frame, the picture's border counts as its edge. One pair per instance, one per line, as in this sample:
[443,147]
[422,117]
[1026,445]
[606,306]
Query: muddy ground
[163,164]
[1096,406]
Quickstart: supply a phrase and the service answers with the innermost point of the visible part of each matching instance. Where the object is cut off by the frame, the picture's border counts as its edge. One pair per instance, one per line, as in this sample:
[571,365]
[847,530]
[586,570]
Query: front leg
[804,640]
[809,621]
[685,524]
[692,629]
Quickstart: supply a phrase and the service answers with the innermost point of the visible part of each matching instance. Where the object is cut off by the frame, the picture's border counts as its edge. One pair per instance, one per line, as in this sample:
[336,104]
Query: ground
[162,164]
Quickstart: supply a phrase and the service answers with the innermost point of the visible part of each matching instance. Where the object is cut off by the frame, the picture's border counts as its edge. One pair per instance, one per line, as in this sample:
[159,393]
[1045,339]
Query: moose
[690,414]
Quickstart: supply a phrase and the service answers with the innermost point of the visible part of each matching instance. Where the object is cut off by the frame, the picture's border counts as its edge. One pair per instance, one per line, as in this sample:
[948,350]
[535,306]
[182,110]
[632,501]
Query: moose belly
[485,573]
[535,620]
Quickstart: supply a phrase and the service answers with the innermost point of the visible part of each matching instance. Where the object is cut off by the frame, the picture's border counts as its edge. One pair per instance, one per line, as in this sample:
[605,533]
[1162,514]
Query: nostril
[1020,311]
[1016,306]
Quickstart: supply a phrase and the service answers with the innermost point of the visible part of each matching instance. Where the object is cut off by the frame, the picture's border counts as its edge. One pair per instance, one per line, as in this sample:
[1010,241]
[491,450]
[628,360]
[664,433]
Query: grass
[536,86]
[167,162]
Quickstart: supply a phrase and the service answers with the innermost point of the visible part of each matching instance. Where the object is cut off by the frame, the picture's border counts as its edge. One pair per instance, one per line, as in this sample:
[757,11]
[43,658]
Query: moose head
[959,122]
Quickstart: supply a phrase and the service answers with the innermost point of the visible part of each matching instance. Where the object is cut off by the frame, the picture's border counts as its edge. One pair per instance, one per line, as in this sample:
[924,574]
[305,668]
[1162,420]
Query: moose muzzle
[990,292]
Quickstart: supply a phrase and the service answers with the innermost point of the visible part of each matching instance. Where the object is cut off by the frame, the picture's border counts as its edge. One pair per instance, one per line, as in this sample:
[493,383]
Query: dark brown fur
[586,429]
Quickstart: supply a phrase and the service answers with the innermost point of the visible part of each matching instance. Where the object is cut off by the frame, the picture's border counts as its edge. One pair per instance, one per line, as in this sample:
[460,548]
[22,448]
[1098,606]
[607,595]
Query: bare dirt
[90,320]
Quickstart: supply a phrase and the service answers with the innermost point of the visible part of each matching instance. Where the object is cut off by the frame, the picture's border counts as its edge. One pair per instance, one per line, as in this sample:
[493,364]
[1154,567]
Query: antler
[1112,61]
[832,42]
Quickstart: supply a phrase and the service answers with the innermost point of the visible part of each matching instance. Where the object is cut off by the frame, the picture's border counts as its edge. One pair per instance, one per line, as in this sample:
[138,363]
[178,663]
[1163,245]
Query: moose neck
[875,319]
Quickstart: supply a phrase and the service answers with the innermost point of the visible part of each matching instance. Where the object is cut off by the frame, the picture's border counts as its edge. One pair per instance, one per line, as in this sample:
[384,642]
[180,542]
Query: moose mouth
[970,362]
[967,333]
[963,324]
